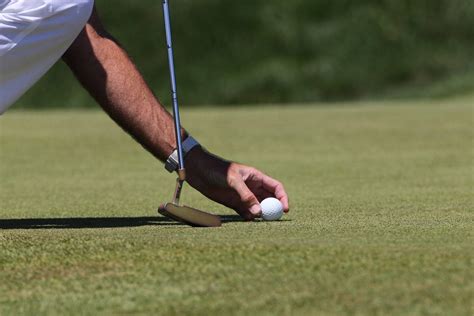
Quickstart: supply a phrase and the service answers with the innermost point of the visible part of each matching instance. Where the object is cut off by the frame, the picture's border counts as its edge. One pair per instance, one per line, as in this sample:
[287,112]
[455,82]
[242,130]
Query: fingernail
[255,209]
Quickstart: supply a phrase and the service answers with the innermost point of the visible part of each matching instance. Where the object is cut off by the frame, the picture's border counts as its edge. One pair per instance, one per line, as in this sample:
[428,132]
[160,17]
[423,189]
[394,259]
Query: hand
[236,186]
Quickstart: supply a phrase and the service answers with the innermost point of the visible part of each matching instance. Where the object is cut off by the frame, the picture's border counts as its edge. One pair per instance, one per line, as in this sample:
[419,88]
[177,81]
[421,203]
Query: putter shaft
[173,210]
[179,186]
[174,91]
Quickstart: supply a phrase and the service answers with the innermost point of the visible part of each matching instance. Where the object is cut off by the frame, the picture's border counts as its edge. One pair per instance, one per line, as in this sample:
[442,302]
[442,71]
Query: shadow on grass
[95,222]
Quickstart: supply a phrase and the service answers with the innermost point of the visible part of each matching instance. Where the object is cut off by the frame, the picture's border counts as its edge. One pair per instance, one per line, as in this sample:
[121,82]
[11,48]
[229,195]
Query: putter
[174,210]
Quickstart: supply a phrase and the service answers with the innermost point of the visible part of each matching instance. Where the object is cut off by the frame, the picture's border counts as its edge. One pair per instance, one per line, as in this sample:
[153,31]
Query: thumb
[248,199]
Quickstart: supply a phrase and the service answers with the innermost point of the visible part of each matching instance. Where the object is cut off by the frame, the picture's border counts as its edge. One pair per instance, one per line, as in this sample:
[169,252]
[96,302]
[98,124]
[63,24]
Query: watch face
[171,163]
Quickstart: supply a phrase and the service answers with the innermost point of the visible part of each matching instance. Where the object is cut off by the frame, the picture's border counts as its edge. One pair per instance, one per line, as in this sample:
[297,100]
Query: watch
[172,163]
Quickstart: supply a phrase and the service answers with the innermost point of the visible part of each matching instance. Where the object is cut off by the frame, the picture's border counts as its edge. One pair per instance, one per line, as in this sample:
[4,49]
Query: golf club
[173,210]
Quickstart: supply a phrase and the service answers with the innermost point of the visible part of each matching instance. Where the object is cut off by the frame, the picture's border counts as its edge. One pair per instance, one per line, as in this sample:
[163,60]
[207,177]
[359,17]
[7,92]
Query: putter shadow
[97,222]
[230,218]
[84,222]
[237,218]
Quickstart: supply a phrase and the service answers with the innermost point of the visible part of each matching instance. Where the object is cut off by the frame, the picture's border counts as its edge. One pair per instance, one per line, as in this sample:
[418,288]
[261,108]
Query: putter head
[189,215]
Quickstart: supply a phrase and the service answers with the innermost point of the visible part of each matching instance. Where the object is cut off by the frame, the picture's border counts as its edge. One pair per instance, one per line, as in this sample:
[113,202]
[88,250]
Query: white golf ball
[272,209]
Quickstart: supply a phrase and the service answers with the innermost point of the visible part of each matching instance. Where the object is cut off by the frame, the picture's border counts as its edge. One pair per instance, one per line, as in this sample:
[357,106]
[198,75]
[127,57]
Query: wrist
[188,144]
[195,157]
[202,164]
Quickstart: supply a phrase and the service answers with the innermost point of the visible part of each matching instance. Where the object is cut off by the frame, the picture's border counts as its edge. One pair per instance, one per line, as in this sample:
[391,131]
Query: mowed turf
[381,215]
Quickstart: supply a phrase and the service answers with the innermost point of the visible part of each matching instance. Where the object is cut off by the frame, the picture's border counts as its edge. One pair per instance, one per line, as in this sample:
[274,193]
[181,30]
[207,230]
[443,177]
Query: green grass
[381,215]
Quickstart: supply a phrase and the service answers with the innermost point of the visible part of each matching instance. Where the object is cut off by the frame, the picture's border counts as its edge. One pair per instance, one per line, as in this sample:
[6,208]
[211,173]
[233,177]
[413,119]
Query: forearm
[108,74]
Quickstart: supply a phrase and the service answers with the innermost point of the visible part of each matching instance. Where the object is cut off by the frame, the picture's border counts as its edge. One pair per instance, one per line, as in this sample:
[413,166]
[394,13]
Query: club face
[189,215]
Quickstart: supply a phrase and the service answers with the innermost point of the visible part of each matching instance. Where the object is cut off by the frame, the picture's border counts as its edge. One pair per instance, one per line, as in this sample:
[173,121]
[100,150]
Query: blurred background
[255,51]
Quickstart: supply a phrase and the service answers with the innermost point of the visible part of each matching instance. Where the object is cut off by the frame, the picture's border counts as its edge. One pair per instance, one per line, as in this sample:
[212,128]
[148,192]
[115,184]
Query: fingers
[247,198]
[261,193]
[277,189]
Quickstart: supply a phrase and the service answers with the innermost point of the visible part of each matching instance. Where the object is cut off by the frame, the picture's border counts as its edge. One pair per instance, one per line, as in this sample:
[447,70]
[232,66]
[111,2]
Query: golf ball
[272,209]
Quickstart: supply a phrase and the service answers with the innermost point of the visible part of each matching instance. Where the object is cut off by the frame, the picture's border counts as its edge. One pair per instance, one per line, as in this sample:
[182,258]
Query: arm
[105,70]
[108,74]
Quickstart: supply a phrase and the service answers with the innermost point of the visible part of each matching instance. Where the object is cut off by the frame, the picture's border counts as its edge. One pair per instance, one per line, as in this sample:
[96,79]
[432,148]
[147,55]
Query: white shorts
[34,34]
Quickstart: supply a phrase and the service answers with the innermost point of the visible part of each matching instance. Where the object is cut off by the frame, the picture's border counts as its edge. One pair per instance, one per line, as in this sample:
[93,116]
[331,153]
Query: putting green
[381,214]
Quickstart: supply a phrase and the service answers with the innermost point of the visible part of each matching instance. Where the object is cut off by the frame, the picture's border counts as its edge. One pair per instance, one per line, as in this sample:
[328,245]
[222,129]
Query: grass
[381,215]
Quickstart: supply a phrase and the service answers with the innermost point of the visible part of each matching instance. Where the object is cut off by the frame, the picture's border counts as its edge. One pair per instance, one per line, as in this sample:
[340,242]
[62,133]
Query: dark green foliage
[281,51]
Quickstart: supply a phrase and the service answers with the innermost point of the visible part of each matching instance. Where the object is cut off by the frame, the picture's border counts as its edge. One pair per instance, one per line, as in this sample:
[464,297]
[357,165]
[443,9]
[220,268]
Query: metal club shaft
[174,92]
